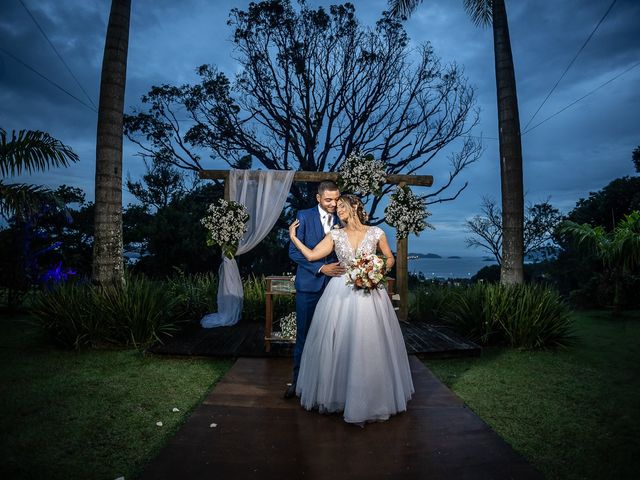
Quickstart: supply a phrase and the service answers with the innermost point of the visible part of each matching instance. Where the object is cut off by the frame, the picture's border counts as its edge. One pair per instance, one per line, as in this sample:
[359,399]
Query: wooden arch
[402,244]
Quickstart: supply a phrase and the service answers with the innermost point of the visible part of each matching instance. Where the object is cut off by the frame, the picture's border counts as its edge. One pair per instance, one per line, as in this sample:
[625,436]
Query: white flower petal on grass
[175,409]
[159,424]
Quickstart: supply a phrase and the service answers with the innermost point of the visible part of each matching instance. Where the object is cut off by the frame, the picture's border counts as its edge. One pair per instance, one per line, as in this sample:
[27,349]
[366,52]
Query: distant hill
[423,255]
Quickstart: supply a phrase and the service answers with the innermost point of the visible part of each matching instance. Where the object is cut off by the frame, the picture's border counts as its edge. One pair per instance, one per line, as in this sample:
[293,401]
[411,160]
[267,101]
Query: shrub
[194,295]
[138,313]
[79,315]
[466,314]
[430,301]
[524,316]
[69,315]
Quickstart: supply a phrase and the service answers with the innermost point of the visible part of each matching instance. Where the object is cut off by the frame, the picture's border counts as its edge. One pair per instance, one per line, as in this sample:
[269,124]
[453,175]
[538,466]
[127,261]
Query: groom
[312,277]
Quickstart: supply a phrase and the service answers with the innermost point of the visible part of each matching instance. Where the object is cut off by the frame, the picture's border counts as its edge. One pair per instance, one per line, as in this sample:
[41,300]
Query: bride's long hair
[355,207]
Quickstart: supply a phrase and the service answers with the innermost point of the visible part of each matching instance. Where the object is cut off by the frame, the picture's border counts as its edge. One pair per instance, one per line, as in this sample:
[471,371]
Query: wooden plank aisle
[260,435]
[245,340]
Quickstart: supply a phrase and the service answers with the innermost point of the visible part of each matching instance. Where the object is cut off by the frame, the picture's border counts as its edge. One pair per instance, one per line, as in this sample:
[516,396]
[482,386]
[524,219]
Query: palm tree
[619,249]
[108,266]
[28,151]
[483,13]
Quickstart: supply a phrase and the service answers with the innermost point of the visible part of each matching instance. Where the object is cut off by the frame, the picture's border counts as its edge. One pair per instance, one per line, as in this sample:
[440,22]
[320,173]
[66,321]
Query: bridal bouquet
[226,223]
[366,272]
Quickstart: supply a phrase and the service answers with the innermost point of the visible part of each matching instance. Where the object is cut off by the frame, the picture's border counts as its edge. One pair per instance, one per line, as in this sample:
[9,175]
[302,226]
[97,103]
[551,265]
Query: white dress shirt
[324,216]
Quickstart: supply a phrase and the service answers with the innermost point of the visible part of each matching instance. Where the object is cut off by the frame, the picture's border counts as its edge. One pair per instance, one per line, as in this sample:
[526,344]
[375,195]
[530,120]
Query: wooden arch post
[402,244]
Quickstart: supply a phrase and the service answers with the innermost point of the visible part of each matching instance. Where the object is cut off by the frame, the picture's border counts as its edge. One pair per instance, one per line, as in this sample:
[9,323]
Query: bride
[354,359]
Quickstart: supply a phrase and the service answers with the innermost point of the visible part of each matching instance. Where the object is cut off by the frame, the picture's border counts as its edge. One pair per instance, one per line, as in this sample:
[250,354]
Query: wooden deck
[245,339]
[260,435]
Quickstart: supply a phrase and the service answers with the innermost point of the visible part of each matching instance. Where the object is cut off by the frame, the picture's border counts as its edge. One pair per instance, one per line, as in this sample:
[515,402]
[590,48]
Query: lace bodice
[345,252]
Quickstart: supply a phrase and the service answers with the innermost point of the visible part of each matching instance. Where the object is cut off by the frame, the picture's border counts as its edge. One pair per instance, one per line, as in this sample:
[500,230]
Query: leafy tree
[46,245]
[494,12]
[607,206]
[540,223]
[28,151]
[159,185]
[635,156]
[619,249]
[314,87]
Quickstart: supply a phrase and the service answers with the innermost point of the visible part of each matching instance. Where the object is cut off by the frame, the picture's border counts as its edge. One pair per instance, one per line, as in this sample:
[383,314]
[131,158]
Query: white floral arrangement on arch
[407,213]
[226,223]
[362,174]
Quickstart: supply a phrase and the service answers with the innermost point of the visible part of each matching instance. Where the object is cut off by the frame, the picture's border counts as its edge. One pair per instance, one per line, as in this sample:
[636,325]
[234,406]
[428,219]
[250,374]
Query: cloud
[577,151]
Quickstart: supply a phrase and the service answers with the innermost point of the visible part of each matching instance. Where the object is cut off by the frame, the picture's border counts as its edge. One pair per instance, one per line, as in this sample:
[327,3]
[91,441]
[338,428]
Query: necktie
[327,219]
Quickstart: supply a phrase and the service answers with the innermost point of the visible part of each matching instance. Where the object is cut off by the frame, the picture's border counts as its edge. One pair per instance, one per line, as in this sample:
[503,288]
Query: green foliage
[254,300]
[429,301]
[194,295]
[136,314]
[253,307]
[32,151]
[69,315]
[79,315]
[523,316]
[619,249]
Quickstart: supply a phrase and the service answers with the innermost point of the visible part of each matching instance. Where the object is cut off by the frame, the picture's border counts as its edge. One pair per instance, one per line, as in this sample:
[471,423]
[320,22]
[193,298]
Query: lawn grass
[92,414]
[573,413]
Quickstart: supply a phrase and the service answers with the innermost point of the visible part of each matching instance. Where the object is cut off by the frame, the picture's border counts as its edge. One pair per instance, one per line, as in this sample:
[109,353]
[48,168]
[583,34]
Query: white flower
[362,174]
[175,409]
[159,424]
[213,425]
[226,224]
[407,212]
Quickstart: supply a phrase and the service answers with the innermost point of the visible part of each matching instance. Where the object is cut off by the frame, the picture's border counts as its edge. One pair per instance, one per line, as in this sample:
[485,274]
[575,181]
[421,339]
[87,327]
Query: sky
[575,152]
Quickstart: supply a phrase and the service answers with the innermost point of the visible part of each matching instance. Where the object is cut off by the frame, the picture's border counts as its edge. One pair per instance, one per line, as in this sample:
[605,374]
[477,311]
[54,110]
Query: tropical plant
[523,316]
[108,268]
[195,295]
[483,13]
[29,151]
[619,250]
[137,313]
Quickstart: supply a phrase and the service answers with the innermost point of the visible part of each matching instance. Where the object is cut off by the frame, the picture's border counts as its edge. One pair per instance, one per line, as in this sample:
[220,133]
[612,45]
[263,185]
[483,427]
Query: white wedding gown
[354,358]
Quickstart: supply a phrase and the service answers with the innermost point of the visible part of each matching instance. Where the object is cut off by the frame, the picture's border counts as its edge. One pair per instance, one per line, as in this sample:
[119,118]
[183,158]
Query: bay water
[462,267]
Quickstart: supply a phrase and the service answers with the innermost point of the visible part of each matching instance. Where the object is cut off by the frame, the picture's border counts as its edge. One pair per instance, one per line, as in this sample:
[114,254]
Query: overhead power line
[11,55]
[58,54]
[583,97]
[571,63]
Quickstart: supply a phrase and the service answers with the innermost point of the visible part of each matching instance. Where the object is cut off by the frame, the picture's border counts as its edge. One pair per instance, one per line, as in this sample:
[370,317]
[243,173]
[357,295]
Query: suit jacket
[310,232]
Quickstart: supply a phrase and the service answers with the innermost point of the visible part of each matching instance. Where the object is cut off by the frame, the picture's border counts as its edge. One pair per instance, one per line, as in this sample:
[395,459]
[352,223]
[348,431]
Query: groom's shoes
[290,392]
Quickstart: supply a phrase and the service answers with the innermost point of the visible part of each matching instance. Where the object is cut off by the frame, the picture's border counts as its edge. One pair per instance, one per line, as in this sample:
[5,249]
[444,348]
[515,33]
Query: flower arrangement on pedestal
[407,212]
[226,223]
[362,174]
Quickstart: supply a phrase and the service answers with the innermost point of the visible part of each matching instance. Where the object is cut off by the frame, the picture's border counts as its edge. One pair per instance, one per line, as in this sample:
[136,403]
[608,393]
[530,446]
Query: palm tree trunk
[107,248]
[511,271]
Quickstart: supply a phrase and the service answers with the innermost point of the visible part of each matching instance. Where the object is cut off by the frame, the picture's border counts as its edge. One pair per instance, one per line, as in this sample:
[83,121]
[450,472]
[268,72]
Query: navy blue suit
[310,282]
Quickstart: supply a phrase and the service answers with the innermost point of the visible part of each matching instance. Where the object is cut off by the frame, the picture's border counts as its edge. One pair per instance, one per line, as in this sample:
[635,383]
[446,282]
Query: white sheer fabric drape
[264,194]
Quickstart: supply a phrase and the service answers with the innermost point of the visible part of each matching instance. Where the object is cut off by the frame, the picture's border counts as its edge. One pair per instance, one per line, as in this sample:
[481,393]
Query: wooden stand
[276,285]
[283,285]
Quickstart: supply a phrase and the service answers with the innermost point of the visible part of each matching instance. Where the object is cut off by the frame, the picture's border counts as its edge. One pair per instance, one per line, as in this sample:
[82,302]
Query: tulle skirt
[354,359]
